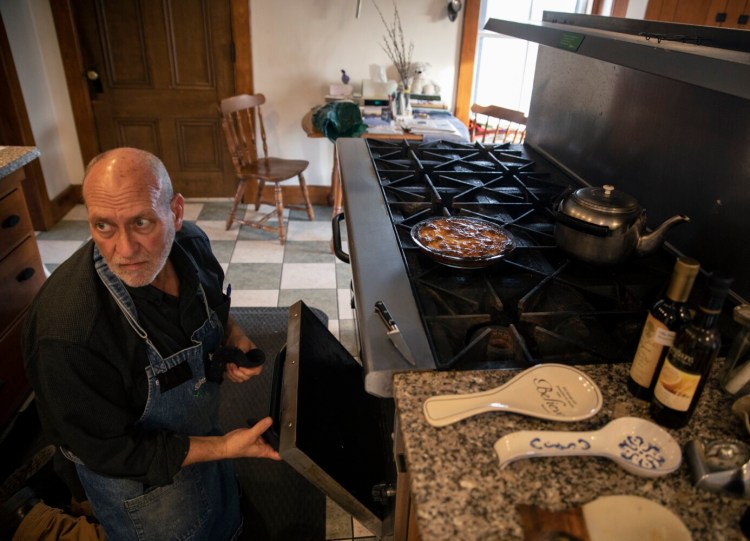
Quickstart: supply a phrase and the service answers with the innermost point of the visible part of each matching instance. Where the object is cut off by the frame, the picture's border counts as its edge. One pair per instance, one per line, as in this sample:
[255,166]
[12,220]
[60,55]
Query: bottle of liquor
[667,316]
[686,367]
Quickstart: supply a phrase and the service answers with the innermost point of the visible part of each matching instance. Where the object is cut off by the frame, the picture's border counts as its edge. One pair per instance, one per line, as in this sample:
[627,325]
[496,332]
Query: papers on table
[384,129]
[436,126]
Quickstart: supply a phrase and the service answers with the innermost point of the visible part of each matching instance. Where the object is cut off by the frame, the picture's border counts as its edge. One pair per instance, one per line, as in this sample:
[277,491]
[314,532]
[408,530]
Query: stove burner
[533,306]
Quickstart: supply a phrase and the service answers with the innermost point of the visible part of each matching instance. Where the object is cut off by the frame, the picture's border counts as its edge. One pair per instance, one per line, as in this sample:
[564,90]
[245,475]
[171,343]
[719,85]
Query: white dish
[638,446]
[555,392]
[632,518]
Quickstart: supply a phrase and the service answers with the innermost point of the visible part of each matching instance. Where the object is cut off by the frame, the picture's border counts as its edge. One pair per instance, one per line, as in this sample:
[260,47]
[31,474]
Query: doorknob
[95,82]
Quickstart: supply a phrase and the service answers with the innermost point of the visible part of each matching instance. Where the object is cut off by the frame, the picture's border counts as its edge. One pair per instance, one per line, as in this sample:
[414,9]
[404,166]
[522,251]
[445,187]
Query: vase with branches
[395,46]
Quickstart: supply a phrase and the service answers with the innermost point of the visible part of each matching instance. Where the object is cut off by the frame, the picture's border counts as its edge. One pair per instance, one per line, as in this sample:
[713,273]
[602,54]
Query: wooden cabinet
[724,13]
[21,276]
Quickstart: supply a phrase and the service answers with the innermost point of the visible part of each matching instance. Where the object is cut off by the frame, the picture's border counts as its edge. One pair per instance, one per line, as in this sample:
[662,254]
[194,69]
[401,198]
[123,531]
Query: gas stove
[535,305]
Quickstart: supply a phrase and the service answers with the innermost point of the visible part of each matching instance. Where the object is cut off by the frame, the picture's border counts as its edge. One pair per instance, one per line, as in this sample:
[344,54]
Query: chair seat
[274,169]
[242,122]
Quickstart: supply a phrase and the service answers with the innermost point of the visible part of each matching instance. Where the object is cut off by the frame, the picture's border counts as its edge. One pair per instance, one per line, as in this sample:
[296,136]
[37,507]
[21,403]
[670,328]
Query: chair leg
[303,186]
[259,195]
[237,198]
[280,212]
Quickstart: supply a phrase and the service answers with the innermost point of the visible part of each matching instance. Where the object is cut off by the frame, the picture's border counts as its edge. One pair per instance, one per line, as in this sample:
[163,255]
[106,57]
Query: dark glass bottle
[668,315]
[686,367]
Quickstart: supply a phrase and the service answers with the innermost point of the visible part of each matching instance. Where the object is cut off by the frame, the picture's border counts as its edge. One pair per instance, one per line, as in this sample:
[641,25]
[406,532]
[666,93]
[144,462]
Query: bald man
[116,346]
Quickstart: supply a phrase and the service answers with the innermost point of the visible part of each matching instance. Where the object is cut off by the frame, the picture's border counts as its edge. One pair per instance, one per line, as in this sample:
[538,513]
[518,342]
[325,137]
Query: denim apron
[202,502]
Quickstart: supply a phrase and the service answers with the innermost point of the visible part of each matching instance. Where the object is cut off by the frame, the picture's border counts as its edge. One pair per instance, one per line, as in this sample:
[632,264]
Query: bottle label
[654,338]
[675,388]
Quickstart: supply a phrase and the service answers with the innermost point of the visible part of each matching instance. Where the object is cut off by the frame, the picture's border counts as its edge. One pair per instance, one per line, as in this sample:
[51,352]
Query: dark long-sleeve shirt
[87,365]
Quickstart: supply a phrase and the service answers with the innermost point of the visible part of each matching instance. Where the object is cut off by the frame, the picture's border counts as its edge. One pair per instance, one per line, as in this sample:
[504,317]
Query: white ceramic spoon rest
[555,392]
[638,446]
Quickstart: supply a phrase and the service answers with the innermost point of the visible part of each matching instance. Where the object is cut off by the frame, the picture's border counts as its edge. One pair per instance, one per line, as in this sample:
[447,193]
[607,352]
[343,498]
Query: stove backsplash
[676,147]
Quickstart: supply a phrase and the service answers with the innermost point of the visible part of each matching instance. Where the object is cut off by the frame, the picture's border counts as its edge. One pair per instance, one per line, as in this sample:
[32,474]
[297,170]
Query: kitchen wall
[299,49]
[31,33]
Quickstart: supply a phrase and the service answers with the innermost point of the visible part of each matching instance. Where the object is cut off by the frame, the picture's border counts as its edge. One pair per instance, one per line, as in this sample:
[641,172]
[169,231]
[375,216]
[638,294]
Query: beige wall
[299,48]
[36,54]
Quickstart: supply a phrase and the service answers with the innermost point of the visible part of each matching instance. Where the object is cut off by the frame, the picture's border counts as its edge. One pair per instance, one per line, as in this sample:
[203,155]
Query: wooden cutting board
[543,525]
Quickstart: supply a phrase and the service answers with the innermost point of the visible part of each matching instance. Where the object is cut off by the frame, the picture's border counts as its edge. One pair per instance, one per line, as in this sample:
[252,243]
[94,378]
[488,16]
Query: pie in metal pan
[461,241]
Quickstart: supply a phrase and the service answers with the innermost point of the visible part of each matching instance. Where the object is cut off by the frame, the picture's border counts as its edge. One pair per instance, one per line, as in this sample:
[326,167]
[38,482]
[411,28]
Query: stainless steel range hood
[713,58]
[666,121]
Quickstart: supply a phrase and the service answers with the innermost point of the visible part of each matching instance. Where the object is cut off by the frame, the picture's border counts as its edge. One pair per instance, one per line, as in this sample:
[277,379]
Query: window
[504,72]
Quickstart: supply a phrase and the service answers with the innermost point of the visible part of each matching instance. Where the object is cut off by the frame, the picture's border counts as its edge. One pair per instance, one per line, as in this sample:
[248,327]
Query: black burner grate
[535,305]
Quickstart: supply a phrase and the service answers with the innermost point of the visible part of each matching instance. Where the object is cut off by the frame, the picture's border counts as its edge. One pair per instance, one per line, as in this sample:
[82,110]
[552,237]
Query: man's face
[129,223]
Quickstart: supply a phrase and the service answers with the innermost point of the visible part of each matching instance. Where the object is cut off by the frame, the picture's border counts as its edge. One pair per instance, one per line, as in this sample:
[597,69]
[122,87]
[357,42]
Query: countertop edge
[13,158]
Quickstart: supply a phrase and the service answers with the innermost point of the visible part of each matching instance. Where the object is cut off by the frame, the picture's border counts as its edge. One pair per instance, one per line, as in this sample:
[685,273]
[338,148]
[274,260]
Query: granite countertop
[461,493]
[13,158]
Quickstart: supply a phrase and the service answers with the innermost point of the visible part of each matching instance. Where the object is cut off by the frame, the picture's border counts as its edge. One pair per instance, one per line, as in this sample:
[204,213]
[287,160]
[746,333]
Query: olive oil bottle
[668,315]
[686,367]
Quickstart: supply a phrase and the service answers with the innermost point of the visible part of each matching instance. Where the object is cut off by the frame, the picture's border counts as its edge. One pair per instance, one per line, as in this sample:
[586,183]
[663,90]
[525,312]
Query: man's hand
[240,443]
[235,337]
[239,374]
[248,442]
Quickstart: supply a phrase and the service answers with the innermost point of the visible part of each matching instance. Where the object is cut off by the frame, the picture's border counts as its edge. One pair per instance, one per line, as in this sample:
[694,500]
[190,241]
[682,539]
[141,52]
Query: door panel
[162,69]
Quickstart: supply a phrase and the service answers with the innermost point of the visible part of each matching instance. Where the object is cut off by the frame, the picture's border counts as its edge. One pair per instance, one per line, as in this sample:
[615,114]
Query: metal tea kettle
[604,226]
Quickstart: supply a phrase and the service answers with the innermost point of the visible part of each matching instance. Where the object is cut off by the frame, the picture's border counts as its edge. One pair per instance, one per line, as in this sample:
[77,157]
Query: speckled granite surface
[461,493]
[12,158]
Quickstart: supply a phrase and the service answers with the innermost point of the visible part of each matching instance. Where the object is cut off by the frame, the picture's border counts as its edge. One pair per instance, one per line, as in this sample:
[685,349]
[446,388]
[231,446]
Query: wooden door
[157,71]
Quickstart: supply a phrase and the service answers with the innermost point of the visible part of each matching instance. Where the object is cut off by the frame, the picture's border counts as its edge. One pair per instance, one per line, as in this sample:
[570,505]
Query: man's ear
[178,210]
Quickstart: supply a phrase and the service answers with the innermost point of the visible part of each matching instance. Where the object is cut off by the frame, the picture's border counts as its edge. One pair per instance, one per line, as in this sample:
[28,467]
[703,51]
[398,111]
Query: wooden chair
[242,120]
[500,123]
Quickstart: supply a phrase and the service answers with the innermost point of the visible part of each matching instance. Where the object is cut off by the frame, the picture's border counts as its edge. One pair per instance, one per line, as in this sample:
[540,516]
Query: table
[374,123]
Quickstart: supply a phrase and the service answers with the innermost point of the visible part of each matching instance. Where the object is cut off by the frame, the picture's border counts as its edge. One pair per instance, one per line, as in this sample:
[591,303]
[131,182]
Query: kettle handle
[580,225]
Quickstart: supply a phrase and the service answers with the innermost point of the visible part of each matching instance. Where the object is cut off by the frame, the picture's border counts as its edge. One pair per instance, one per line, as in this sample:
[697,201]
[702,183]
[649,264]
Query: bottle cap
[716,290]
[683,277]
[719,283]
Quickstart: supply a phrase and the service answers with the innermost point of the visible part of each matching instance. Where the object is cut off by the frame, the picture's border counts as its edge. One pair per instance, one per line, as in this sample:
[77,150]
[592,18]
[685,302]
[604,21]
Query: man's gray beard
[128,280]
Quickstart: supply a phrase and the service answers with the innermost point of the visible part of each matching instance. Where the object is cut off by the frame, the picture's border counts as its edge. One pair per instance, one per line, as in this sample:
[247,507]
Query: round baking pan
[458,261]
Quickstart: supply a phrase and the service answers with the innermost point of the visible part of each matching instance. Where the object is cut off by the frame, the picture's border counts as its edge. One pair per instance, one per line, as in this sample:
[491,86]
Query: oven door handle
[337,249]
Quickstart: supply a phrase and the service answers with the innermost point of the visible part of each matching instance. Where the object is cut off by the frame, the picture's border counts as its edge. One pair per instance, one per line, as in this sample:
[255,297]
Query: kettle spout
[649,243]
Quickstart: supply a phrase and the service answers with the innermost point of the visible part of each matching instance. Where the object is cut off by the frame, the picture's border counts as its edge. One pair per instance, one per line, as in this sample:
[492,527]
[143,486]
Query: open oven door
[330,429]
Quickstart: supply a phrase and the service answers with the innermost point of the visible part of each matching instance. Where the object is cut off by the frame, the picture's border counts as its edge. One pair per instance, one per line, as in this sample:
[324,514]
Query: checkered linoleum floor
[262,272]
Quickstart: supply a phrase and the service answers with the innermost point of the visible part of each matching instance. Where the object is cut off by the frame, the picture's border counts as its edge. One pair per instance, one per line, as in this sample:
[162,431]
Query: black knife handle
[385,314]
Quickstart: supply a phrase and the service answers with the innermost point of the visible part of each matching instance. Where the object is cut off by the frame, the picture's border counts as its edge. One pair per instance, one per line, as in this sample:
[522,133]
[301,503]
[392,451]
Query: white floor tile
[360,530]
[192,211]
[345,303]
[333,327]
[309,231]
[255,297]
[345,249]
[57,251]
[216,229]
[225,267]
[252,214]
[338,521]
[76,213]
[258,251]
[308,276]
